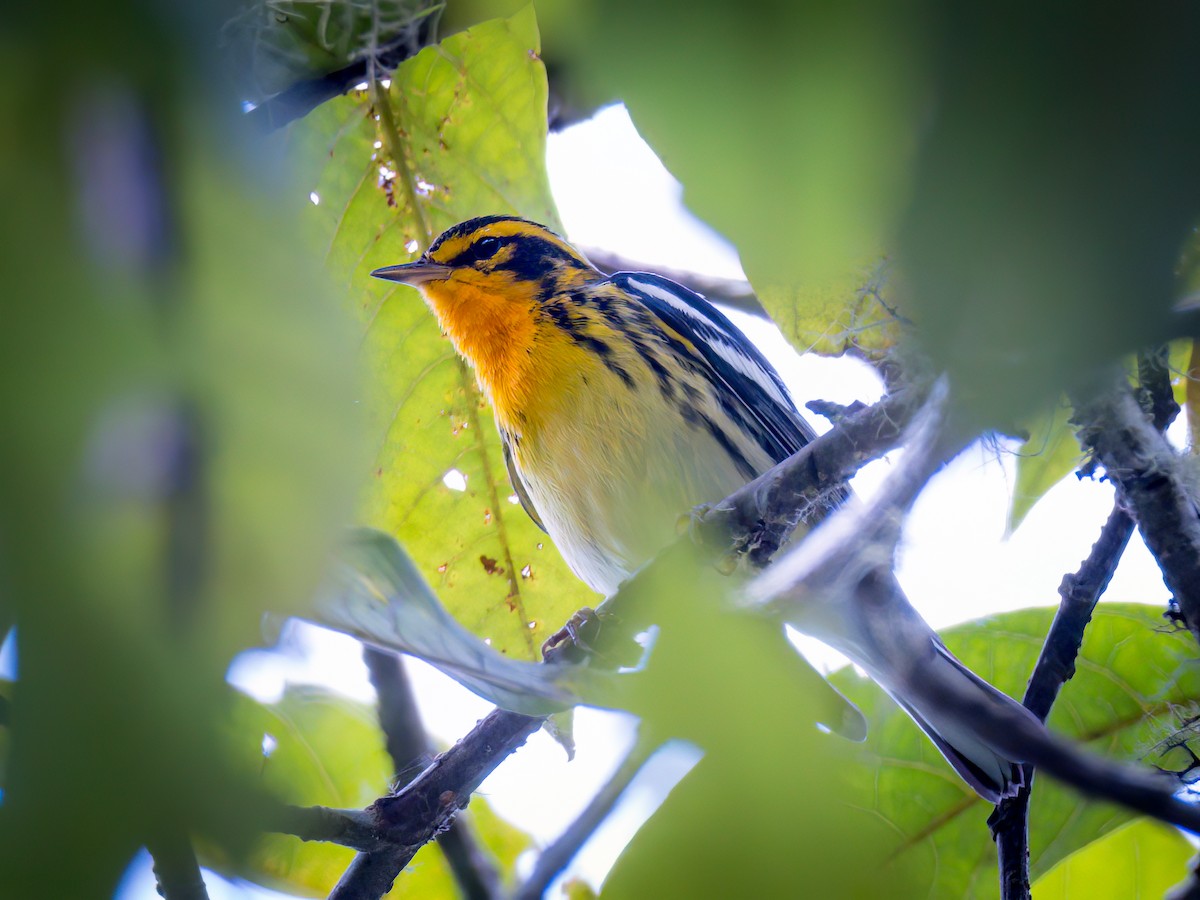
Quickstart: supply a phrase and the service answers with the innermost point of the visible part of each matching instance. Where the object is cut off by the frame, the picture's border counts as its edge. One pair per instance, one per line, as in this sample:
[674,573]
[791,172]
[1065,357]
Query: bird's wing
[515,477]
[736,363]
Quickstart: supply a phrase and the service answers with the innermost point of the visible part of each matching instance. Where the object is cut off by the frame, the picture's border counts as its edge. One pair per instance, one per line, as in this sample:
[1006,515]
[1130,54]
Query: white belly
[610,481]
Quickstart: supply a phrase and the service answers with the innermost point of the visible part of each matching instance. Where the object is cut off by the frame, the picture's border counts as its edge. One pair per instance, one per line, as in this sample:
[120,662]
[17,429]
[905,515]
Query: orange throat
[495,334]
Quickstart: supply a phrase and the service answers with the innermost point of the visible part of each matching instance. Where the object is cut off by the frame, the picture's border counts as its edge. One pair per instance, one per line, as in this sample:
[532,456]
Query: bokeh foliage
[166,353]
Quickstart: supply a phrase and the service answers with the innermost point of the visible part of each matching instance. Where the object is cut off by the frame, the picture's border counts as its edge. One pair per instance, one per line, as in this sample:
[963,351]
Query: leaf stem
[404,172]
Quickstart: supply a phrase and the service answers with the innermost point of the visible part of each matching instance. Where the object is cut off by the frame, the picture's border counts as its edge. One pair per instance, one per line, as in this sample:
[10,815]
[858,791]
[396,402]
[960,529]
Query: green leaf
[851,311]
[328,751]
[1050,453]
[462,133]
[377,595]
[1141,860]
[1134,678]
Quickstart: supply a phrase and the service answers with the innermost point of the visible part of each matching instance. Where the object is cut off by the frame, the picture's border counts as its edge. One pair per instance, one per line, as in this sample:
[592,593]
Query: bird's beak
[413,273]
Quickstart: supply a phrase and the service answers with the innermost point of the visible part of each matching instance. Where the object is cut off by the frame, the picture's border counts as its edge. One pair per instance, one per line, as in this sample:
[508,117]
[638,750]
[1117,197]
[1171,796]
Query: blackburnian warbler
[624,401]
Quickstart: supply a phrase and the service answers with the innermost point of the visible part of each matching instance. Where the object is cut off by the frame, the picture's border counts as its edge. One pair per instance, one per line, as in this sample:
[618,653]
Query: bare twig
[175,867]
[1056,663]
[353,828]
[757,518]
[1055,666]
[1150,482]
[411,751]
[558,855]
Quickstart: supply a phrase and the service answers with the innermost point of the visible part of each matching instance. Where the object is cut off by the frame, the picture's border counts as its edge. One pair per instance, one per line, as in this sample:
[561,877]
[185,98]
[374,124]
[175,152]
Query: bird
[625,400]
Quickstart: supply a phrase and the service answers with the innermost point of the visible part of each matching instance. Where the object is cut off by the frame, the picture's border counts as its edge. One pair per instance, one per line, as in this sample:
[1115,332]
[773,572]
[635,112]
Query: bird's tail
[986,769]
[881,632]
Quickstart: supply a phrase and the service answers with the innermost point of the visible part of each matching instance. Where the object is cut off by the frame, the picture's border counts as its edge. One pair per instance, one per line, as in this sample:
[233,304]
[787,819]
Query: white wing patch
[722,344]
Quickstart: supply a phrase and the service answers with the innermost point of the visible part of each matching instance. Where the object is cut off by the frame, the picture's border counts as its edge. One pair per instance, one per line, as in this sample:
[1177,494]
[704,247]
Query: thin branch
[1150,482]
[473,866]
[1056,663]
[353,828]
[399,717]
[406,821]
[755,519]
[411,751]
[558,855]
[1055,666]
[1080,593]
[175,867]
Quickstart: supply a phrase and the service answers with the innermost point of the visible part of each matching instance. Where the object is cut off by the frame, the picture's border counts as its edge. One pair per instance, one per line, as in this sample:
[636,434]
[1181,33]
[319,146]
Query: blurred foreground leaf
[765,810]
[377,595]
[463,135]
[1054,188]
[177,412]
[1133,680]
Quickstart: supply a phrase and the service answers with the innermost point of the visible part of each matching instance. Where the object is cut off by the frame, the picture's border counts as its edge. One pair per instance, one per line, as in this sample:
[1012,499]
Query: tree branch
[757,518]
[374,870]
[175,867]
[1150,483]
[1056,663]
[353,828]
[1055,666]
[411,751]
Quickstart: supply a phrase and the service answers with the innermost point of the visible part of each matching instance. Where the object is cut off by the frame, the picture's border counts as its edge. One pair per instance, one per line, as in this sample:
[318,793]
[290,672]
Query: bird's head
[489,281]
[501,255]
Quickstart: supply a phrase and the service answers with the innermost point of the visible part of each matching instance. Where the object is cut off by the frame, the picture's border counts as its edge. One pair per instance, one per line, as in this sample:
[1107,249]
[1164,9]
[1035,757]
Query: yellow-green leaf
[1142,860]
[1043,460]
[460,133]
[848,312]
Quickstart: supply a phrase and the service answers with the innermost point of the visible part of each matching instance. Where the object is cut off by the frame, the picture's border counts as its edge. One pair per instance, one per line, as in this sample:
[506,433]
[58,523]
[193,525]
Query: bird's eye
[486,248]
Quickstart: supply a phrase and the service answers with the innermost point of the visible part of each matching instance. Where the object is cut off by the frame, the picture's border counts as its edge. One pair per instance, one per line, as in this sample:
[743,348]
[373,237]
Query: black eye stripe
[484,248]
